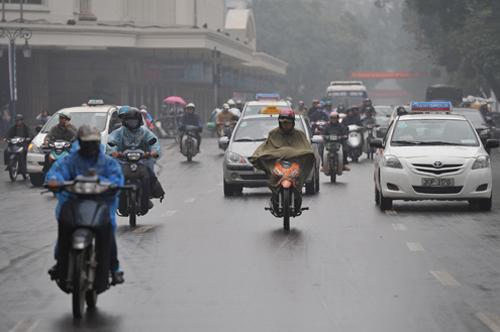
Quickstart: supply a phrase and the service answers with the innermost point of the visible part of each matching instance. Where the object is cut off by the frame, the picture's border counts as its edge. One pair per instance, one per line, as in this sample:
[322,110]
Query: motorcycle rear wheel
[79,278]
[286,201]
[13,169]
[333,172]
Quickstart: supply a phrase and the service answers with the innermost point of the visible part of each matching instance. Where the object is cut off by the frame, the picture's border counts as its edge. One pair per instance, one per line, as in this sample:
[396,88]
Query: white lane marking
[399,227]
[490,320]
[190,200]
[169,213]
[445,278]
[143,229]
[391,212]
[26,325]
[415,246]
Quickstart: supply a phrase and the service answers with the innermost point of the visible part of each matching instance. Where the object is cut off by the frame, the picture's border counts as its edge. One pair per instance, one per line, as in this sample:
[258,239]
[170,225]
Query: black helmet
[132,118]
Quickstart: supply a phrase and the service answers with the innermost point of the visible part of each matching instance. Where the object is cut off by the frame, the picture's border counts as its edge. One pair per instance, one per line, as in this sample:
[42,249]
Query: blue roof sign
[432,106]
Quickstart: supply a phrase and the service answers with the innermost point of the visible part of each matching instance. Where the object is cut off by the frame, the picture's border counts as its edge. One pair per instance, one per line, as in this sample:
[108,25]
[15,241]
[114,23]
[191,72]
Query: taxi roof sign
[270,110]
[267,96]
[431,106]
[95,102]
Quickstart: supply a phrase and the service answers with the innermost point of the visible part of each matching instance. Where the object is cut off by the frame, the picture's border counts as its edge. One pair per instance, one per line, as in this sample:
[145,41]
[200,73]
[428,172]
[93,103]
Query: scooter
[189,143]
[84,245]
[16,162]
[227,131]
[318,127]
[355,142]
[334,162]
[55,151]
[287,200]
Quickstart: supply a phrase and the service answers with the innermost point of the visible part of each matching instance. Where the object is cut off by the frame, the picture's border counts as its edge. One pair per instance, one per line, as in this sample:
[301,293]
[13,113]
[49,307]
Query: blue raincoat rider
[89,157]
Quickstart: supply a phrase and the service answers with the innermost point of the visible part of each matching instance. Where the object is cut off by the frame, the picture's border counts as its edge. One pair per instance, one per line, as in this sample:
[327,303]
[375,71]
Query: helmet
[143,107]
[131,117]
[87,133]
[286,115]
[190,105]
[124,110]
[301,102]
[19,117]
[334,115]
[89,139]
[65,115]
[315,101]
[231,102]
[225,107]
[367,101]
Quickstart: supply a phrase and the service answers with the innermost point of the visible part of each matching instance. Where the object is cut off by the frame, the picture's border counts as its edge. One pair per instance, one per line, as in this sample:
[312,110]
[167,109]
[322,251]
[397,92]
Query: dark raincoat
[292,146]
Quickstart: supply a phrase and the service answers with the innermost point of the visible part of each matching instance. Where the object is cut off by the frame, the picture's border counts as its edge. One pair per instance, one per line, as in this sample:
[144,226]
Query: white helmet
[225,106]
[190,105]
[231,103]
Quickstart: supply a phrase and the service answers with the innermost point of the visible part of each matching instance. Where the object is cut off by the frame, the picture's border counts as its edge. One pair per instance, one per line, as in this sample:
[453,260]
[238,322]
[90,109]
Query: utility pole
[195,13]
[3,11]
[216,75]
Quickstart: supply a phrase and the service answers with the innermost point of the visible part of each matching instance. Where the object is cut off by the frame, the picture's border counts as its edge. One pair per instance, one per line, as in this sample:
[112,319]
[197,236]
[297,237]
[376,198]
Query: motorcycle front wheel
[132,213]
[333,171]
[13,169]
[286,201]
[79,289]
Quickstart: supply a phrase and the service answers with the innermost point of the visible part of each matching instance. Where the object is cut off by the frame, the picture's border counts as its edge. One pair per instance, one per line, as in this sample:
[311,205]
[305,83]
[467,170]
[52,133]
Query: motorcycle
[54,152]
[16,162]
[227,131]
[287,202]
[355,142]
[318,127]
[369,130]
[189,143]
[85,237]
[334,162]
[135,202]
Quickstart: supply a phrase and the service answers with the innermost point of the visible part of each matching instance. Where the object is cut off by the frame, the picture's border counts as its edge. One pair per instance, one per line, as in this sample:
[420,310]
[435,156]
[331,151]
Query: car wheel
[317,182]
[385,203]
[483,204]
[310,188]
[377,196]
[228,189]
[36,179]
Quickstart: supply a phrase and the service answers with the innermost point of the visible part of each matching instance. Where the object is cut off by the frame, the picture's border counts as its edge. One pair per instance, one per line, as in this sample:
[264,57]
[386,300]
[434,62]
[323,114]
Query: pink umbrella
[175,100]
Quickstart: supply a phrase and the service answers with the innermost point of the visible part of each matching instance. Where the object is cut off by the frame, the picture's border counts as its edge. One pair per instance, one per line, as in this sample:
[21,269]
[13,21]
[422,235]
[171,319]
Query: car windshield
[474,116]
[347,98]
[96,119]
[434,132]
[256,109]
[257,129]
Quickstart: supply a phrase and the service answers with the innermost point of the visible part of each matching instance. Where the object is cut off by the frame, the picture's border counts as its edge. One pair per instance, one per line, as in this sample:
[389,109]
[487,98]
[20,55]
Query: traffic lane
[204,262]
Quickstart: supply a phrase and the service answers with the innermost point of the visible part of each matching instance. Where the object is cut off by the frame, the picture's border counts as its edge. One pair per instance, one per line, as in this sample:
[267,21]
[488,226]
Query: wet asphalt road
[200,262]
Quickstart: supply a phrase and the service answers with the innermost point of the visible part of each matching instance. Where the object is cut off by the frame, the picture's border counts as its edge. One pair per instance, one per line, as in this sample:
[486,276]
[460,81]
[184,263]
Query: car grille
[430,168]
[254,177]
[437,190]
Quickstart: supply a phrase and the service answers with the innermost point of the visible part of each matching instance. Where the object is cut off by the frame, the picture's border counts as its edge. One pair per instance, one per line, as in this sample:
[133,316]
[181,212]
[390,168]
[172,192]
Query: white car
[432,157]
[104,117]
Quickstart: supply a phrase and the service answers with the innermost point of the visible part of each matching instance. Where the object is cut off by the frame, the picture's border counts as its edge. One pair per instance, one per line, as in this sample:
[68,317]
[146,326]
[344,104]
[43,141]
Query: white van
[347,93]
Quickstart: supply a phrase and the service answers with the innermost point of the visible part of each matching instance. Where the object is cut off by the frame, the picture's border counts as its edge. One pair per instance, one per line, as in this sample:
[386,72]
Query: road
[201,262]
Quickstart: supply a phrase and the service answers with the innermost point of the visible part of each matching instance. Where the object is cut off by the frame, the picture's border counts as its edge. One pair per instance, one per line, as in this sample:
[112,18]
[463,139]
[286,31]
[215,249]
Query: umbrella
[175,100]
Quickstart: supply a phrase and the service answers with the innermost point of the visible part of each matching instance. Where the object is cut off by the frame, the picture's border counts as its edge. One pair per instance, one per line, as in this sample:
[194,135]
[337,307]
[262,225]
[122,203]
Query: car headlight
[33,148]
[234,158]
[392,162]
[481,162]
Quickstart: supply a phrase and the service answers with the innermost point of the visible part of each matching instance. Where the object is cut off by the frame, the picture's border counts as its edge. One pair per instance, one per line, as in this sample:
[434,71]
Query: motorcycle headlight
[33,148]
[481,162]
[234,158]
[392,162]
[133,156]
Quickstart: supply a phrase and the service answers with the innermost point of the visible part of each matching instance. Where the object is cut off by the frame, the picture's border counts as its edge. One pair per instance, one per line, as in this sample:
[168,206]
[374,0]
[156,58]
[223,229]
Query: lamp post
[12,35]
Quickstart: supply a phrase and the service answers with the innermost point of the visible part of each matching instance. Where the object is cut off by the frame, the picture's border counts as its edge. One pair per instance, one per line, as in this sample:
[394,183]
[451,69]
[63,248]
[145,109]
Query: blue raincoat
[73,165]
[124,139]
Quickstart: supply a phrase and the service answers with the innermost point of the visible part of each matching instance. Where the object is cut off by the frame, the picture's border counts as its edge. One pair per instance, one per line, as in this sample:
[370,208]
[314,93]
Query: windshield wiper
[403,142]
[439,143]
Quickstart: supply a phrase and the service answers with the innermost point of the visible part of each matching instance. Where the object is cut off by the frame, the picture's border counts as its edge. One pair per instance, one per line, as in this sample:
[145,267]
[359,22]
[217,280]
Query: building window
[27,2]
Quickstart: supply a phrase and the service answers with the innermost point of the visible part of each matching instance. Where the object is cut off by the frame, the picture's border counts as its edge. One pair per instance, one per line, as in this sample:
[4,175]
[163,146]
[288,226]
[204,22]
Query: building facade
[134,52]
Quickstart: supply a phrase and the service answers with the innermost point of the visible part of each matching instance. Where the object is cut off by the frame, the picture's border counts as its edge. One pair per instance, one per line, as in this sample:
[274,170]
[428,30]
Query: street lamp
[12,35]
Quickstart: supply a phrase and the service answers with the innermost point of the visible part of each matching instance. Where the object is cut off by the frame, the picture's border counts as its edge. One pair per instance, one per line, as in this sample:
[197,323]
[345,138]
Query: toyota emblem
[438,164]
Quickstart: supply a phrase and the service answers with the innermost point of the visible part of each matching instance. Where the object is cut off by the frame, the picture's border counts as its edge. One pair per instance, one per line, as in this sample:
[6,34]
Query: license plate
[438,182]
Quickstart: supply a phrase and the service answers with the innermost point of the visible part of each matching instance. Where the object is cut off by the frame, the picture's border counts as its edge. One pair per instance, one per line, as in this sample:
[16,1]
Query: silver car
[249,133]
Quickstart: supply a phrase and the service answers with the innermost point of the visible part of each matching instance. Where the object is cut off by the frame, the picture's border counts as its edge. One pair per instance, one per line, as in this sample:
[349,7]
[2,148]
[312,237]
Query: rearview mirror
[152,141]
[38,128]
[317,139]
[492,144]
[377,143]
[111,144]
[381,132]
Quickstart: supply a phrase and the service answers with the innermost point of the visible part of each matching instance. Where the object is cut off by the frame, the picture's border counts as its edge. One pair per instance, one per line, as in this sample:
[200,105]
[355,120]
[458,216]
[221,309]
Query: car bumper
[34,162]
[399,184]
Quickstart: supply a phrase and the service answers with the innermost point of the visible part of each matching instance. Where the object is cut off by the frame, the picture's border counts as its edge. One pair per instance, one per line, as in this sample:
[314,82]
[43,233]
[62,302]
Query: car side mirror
[38,128]
[492,144]
[377,143]
[317,139]
[381,132]
[224,142]
[111,144]
[152,141]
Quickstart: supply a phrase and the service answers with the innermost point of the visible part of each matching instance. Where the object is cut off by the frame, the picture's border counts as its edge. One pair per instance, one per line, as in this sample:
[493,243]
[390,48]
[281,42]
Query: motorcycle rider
[316,113]
[20,129]
[224,116]
[328,107]
[367,107]
[132,134]
[64,130]
[89,158]
[337,128]
[190,118]
[233,108]
[284,142]
[240,104]
[301,109]
[369,118]
[43,117]
[341,109]
[352,117]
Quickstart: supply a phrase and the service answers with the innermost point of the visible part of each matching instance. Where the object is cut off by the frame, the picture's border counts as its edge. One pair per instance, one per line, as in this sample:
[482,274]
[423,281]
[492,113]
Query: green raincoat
[292,146]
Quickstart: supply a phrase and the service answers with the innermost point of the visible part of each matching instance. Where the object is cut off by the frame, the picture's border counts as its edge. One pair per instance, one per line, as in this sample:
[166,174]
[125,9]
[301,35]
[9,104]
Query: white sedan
[433,157]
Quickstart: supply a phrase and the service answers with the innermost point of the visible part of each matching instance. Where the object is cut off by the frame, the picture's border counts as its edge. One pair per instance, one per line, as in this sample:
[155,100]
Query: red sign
[377,75]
